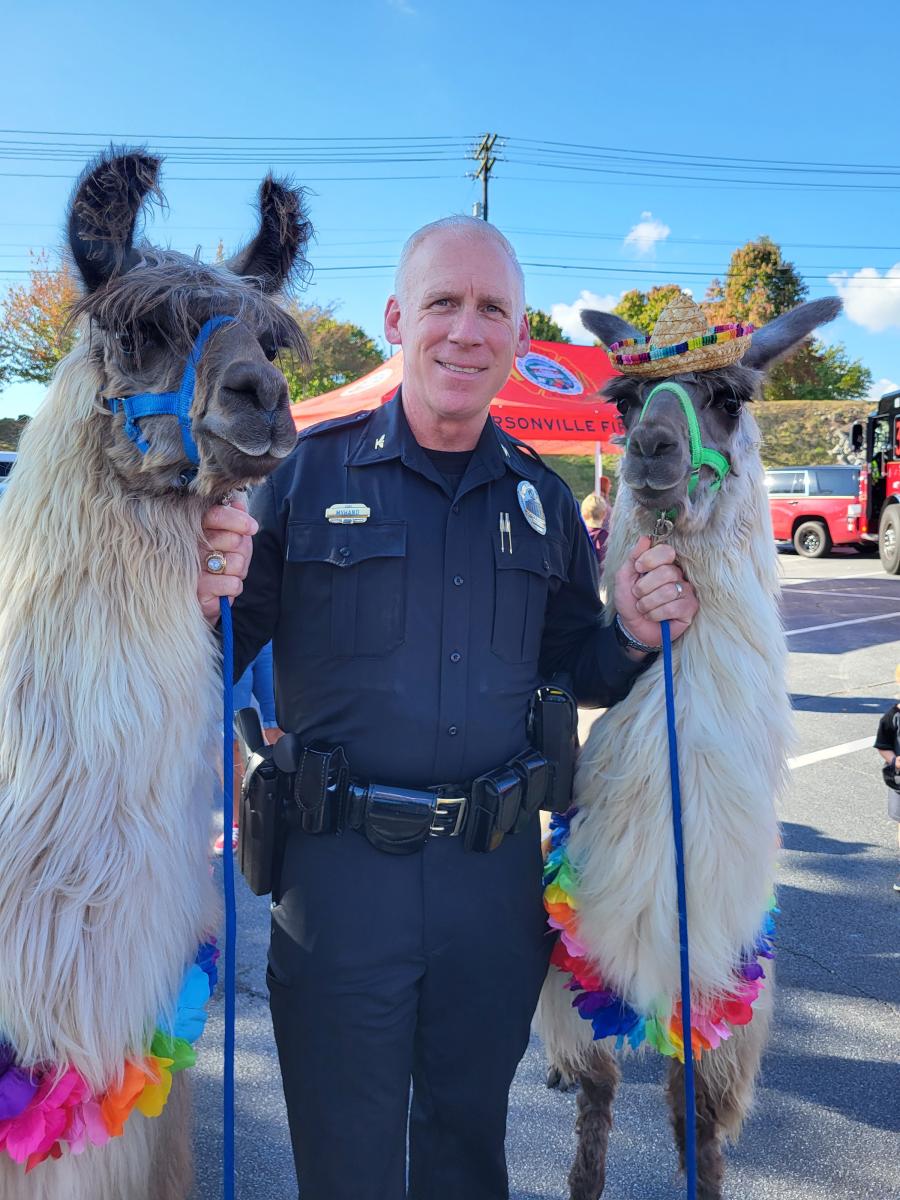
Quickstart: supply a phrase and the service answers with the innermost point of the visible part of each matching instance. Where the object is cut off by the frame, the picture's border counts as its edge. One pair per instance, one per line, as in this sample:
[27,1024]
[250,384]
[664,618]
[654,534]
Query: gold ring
[216,563]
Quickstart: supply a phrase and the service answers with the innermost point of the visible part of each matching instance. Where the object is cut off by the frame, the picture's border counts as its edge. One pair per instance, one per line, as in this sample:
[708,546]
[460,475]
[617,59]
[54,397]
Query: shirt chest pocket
[345,586]
[522,582]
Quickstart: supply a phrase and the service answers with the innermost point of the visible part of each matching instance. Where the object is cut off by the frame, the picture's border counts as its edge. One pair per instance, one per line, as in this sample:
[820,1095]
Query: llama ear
[786,332]
[284,231]
[607,327]
[102,214]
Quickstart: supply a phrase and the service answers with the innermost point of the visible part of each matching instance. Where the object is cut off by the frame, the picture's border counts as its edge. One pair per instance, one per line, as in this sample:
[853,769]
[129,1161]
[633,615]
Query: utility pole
[487,161]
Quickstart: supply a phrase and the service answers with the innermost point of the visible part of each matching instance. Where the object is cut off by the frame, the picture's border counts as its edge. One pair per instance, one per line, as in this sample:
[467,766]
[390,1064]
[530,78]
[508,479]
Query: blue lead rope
[690,1104]
[230,908]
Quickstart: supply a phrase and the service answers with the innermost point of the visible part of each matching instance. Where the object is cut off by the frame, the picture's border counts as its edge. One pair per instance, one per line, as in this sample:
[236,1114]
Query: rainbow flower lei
[43,1107]
[718,333]
[609,1014]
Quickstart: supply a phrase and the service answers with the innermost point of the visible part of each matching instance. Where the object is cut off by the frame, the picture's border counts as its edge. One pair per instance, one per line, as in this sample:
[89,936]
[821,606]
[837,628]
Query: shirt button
[455,656]
[455,508]
[458,580]
[344,552]
[453,731]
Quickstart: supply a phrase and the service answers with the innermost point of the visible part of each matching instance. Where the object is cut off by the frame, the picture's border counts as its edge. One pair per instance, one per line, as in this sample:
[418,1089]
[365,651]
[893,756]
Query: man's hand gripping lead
[650,587]
[225,550]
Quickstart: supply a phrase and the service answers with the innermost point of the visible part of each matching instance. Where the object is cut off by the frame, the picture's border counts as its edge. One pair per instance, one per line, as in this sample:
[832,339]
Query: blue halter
[169,404]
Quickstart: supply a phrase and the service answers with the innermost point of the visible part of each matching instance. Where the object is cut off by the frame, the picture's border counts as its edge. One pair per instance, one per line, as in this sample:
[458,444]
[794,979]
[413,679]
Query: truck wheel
[889,539]
[811,539]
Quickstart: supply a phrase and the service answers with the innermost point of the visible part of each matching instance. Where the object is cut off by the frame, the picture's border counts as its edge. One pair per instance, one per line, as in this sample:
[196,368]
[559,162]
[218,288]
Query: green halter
[701,456]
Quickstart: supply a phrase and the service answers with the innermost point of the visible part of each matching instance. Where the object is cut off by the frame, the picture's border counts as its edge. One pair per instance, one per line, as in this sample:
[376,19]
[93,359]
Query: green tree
[642,309]
[34,334]
[340,352]
[543,327]
[759,286]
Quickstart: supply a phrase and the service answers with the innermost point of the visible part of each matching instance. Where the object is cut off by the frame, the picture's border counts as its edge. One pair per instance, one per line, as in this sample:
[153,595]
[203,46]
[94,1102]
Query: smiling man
[421,574]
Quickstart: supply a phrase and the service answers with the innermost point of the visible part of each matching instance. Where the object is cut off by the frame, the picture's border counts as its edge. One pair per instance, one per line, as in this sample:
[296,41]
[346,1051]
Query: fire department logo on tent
[549,374]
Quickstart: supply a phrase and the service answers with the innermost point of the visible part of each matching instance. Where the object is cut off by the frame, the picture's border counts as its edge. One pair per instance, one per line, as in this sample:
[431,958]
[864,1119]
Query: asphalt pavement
[827,1120]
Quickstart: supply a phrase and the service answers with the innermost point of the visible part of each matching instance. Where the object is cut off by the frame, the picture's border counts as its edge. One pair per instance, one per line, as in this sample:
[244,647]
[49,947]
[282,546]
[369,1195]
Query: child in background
[594,512]
[887,743]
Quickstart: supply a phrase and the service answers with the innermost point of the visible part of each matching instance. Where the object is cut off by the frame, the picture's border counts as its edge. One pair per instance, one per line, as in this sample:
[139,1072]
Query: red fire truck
[879,479]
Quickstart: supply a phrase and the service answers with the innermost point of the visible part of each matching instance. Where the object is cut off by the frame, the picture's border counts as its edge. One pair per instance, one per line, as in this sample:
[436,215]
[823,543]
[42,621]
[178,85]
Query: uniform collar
[387,435]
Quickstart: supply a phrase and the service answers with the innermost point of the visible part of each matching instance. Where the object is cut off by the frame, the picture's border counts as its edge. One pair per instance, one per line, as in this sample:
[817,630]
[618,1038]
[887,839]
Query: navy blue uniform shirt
[415,640]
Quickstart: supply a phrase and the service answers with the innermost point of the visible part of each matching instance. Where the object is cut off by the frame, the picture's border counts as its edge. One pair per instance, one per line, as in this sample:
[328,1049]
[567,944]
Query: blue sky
[796,84]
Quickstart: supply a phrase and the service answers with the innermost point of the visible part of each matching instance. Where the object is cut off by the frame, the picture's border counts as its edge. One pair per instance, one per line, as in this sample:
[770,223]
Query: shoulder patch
[346,422]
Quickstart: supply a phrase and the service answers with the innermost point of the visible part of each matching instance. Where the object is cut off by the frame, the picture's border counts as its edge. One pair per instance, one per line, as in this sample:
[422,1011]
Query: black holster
[260,812]
[553,730]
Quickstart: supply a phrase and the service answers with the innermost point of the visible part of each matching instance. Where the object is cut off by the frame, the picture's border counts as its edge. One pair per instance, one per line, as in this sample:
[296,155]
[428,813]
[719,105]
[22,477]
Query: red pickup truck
[815,508]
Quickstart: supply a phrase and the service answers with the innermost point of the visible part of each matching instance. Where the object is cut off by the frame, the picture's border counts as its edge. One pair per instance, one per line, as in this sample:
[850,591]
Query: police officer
[421,573]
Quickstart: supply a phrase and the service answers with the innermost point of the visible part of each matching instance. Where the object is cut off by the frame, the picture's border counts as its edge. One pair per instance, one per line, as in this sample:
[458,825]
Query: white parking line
[795,580]
[804,760]
[846,595]
[835,624]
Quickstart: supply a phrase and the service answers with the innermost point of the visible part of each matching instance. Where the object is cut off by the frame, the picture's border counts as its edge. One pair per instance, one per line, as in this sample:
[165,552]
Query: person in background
[595,514]
[887,743]
[254,689]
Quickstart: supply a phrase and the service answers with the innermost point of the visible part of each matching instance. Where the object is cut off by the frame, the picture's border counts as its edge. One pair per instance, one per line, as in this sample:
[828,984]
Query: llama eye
[732,406]
[623,406]
[269,347]
[130,341]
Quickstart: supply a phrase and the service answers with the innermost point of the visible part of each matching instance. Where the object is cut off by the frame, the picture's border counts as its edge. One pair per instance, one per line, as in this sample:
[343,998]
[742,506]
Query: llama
[108,763]
[611,870]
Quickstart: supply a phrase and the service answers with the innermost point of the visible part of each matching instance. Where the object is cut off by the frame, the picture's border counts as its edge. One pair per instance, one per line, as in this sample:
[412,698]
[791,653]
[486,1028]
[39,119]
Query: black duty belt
[322,797]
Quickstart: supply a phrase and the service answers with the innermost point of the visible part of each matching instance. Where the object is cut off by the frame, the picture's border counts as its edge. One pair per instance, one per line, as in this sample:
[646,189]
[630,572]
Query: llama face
[657,466]
[144,308]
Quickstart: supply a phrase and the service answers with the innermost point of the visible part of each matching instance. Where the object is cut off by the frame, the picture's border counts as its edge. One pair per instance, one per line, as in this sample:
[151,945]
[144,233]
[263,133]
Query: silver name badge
[347,514]
[532,509]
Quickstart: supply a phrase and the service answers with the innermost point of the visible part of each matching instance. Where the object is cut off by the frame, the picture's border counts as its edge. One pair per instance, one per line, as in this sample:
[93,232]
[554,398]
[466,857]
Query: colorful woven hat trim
[44,1107]
[609,1014]
[712,337]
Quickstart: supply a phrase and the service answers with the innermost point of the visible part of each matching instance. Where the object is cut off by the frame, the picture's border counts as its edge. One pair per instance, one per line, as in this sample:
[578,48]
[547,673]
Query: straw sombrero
[681,341]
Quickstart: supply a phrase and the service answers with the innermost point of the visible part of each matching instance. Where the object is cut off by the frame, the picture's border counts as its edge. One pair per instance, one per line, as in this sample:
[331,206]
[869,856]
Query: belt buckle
[442,811]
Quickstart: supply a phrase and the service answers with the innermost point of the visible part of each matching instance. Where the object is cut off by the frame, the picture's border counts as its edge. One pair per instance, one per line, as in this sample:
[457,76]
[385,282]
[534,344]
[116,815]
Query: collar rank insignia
[532,509]
[379,443]
[347,514]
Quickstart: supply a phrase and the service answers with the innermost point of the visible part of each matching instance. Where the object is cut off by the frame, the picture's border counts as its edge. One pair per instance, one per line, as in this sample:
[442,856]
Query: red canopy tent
[551,399]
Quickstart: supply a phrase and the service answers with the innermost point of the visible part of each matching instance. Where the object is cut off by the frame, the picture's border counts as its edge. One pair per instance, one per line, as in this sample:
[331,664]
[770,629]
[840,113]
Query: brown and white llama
[611,874]
[109,673]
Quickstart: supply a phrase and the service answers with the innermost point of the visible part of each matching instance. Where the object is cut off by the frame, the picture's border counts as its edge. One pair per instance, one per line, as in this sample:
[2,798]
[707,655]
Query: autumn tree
[543,327]
[642,309]
[759,286]
[34,335]
[340,352]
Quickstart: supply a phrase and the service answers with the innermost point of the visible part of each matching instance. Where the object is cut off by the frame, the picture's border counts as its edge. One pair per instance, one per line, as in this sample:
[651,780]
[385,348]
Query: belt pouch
[259,820]
[536,774]
[398,820]
[320,787]
[493,809]
[553,727]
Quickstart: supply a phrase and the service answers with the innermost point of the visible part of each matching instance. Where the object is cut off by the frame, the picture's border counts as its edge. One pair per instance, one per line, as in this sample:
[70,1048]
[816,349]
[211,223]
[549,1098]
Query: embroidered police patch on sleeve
[532,509]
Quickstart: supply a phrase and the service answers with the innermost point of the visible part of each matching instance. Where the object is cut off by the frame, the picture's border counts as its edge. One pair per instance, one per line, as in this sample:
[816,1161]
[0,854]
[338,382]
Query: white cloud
[880,388]
[568,316]
[648,231]
[870,299]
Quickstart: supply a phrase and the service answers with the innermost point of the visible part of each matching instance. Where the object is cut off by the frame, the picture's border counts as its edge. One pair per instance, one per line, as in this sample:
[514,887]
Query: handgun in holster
[261,825]
[553,729]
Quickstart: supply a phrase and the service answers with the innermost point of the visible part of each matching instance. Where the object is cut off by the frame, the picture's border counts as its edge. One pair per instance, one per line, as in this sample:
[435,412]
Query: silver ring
[216,563]
[678,590]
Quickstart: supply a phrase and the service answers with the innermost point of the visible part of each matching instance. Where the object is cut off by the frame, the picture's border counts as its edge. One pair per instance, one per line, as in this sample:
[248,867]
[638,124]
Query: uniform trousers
[390,971]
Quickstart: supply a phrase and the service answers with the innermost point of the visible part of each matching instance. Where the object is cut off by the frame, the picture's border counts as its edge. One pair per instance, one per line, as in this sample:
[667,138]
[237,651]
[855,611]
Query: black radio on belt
[553,730]
[260,813]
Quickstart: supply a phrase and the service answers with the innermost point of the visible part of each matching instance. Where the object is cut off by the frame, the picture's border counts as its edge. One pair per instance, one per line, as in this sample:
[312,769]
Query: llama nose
[260,385]
[649,441]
